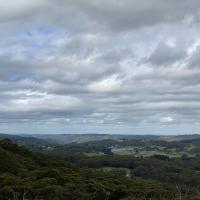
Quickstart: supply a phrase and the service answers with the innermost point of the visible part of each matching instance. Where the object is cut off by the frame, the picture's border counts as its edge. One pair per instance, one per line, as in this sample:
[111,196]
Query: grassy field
[142,152]
[94,154]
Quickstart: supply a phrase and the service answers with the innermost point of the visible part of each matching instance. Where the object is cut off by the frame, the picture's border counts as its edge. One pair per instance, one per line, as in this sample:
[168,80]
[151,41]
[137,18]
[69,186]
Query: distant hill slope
[29,176]
[180,137]
[25,140]
[40,140]
[62,139]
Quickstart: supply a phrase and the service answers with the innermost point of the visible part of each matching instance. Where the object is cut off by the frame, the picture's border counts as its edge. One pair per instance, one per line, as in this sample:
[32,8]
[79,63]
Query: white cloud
[110,84]
[41,103]
[166,119]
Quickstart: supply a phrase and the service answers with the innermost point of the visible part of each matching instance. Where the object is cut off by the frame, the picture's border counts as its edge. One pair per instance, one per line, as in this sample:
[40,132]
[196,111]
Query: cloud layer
[99,63]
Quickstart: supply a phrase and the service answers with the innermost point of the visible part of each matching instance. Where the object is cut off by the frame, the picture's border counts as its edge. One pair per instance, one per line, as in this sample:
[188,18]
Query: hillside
[26,175]
[29,141]
[32,176]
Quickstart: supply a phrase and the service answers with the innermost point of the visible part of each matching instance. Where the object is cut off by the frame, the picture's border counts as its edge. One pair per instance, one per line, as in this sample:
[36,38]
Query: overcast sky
[96,66]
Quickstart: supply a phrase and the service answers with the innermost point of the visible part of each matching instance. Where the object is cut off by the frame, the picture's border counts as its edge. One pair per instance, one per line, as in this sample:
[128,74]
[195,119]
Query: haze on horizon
[118,66]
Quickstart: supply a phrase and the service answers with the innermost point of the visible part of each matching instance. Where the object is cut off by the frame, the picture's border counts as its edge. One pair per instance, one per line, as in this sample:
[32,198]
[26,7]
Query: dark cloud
[116,14]
[130,14]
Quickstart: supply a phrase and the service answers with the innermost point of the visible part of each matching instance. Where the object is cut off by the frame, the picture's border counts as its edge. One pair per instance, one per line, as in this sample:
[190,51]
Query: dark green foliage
[32,176]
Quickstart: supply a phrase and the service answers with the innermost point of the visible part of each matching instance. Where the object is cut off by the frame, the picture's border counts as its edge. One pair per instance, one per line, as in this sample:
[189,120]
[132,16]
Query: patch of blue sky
[38,39]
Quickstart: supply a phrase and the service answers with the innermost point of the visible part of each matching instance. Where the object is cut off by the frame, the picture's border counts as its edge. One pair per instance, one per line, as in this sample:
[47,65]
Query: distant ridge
[62,139]
[24,140]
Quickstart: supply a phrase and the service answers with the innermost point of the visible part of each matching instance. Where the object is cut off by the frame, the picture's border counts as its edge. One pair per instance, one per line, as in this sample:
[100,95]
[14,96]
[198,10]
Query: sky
[117,66]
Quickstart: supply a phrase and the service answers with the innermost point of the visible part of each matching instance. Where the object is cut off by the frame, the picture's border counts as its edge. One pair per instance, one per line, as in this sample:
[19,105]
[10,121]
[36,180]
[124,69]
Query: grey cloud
[90,67]
[19,9]
[13,70]
[167,55]
[130,14]
[115,15]
[194,61]
[115,56]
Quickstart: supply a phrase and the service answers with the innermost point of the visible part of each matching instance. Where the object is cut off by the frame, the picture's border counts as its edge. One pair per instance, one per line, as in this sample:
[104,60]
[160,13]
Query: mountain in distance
[62,139]
[37,140]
